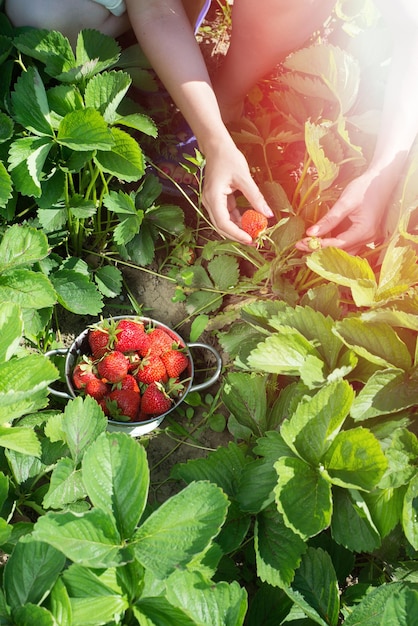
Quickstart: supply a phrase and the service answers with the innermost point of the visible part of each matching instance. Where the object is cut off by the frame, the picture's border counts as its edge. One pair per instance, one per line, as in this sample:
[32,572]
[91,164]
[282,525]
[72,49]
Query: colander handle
[210,381]
[55,392]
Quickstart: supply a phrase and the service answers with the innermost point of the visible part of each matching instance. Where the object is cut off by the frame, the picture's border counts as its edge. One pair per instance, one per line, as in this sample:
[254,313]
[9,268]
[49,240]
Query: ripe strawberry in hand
[113,367]
[154,400]
[253,222]
[123,404]
[131,336]
[175,362]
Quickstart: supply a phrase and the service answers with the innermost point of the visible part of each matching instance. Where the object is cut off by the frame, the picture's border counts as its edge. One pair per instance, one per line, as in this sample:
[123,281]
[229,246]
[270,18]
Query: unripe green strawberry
[253,222]
[113,367]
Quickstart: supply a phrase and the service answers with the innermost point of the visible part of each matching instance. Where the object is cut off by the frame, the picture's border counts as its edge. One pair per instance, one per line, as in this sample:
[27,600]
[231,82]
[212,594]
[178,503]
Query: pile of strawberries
[134,372]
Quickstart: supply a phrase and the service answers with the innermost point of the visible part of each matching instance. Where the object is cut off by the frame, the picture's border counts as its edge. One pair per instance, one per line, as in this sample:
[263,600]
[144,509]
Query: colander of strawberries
[136,368]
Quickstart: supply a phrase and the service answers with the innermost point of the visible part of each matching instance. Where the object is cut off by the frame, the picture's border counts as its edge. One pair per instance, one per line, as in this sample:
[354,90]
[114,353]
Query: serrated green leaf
[82,423]
[141,248]
[399,271]
[224,271]
[69,284]
[312,428]
[180,528]
[116,476]
[120,203]
[30,104]
[222,467]
[244,395]
[278,549]
[225,603]
[22,245]
[66,485]
[355,459]
[385,506]
[127,229]
[352,525]
[326,169]
[22,440]
[166,217]
[385,392]
[11,330]
[109,280]
[344,269]
[149,611]
[202,302]
[315,582]
[95,51]
[410,513]
[30,572]
[85,129]
[27,158]
[303,496]
[138,121]
[104,92]
[49,47]
[401,451]
[39,372]
[375,341]
[5,185]
[124,159]
[371,610]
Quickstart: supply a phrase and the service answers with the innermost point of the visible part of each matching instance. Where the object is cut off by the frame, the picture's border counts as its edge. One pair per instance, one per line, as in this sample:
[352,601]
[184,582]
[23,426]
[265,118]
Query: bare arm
[165,34]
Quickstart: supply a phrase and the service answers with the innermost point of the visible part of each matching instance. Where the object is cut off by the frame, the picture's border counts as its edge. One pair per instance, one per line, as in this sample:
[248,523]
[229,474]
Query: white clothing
[117,7]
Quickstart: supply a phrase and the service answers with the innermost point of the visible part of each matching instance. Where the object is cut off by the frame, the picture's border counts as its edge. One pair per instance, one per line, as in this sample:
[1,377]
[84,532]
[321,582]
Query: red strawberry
[113,367]
[129,382]
[154,400]
[253,222]
[160,341]
[175,362]
[83,372]
[131,336]
[152,369]
[123,404]
[102,337]
[96,388]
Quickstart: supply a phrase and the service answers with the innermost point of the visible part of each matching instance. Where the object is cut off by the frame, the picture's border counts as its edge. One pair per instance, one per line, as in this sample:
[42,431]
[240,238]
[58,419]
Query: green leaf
[49,47]
[158,611]
[138,121]
[30,572]
[222,467]
[401,454]
[225,603]
[198,326]
[82,423]
[27,158]
[278,549]
[375,341]
[20,439]
[288,352]
[60,604]
[66,485]
[11,330]
[316,584]
[385,507]
[224,271]
[355,459]
[385,392]
[399,272]
[22,245]
[181,528]
[394,596]
[344,269]
[124,159]
[31,290]
[410,513]
[326,169]
[30,104]
[166,217]
[352,525]
[32,613]
[312,428]
[68,285]
[116,476]
[109,280]
[245,396]
[104,92]
[85,129]
[95,52]
[38,373]
[89,539]
[5,186]
[303,496]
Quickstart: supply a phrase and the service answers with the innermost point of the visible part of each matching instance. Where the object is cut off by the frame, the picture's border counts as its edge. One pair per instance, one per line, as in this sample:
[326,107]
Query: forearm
[167,38]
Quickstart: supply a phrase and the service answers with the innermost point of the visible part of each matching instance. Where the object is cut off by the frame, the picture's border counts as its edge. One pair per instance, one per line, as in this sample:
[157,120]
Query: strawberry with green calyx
[123,404]
[101,338]
[155,400]
[131,337]
[129,382]
[160,341]
[175,362]
[253,223]
[113,367]
[83,372]
[96,388]
[151,369]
